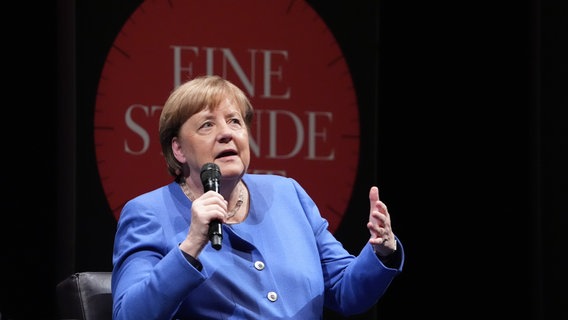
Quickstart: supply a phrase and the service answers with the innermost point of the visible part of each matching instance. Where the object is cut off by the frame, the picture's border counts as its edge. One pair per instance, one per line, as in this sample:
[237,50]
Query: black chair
[85,296]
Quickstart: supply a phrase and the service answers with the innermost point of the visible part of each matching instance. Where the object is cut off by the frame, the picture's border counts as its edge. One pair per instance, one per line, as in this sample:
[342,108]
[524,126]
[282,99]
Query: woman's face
[219,136]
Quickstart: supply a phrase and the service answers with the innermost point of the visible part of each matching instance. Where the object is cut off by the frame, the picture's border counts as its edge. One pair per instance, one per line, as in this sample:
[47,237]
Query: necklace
[231,213]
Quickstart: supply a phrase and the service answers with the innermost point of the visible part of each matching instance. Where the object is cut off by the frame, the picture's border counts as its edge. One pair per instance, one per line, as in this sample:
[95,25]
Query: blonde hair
[190,98]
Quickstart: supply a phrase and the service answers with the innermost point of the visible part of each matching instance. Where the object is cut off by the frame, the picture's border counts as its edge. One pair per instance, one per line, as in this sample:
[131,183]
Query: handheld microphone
[210,176]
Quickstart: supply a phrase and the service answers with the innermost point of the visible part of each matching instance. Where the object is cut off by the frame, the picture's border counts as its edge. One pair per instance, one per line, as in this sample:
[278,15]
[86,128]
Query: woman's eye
[206,125]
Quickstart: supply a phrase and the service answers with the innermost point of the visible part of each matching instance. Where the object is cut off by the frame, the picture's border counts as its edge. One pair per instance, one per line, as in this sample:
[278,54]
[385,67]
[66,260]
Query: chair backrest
[85,296]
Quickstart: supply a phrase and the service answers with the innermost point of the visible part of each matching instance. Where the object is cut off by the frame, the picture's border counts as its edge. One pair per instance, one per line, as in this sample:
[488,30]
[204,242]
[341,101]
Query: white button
[259,265]
[272,296]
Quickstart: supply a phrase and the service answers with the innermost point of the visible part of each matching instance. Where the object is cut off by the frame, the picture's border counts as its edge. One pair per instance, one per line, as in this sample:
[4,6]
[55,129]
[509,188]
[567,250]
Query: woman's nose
[225,133]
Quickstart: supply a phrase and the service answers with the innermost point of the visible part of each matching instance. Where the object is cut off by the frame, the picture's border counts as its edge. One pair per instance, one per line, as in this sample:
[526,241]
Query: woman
[278,260]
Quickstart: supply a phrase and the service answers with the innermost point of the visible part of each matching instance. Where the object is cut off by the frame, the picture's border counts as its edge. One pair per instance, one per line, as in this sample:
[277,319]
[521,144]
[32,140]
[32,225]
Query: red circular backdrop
[282,55]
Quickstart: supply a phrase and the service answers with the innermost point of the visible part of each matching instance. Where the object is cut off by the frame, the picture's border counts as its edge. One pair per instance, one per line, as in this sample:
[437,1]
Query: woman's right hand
[206,208]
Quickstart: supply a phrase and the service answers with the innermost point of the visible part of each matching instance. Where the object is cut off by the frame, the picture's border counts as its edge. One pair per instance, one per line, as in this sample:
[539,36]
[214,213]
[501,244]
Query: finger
[380,219]
[374,229]
[373,198]
[373,195]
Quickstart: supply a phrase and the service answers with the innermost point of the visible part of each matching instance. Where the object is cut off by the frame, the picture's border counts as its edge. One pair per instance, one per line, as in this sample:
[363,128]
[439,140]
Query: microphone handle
[210,175]
[215,227]
[215,234]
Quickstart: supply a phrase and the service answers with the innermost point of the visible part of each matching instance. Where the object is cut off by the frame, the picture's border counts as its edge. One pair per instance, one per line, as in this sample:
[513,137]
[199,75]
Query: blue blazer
[280,263]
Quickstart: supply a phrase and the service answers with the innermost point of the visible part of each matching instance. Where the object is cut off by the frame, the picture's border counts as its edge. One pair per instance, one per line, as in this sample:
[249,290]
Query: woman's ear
[177,151]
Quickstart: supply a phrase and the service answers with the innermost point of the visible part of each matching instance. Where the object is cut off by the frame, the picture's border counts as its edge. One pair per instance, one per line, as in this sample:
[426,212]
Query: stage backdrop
[443,114]
[309,67]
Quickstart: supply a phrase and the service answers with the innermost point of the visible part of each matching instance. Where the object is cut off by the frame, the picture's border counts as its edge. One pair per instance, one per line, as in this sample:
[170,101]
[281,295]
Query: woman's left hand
[379,225]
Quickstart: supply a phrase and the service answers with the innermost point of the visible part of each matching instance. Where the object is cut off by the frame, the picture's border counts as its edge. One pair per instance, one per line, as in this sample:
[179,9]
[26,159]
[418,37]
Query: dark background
[468,141]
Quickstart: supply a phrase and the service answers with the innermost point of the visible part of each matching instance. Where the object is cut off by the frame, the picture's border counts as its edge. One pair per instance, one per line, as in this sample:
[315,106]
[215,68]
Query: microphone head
[210,171]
